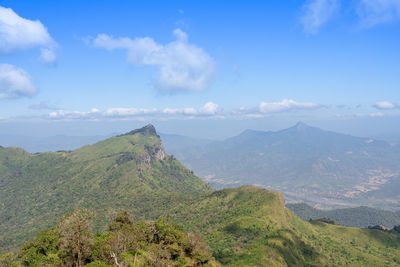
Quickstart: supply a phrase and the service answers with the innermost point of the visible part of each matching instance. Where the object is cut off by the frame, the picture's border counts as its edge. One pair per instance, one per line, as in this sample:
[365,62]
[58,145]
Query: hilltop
[130,171]
[250,226]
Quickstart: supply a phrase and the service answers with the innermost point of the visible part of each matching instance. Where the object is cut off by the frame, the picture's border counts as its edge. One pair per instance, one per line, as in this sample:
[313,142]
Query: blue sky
[208,68]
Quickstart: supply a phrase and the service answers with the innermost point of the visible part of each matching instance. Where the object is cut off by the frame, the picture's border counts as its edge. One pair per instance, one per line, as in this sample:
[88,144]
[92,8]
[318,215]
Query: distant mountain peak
[301,125]
[149,129]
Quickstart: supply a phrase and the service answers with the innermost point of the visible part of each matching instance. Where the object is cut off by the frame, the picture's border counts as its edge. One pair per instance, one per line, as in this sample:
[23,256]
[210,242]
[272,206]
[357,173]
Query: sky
[199,68]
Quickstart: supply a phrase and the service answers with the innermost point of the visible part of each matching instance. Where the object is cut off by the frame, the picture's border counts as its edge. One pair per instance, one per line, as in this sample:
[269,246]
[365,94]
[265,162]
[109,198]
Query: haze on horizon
[333,64]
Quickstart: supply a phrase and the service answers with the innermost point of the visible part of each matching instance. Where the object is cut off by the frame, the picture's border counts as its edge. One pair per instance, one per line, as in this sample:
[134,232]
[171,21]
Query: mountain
[245,226]
[130,171]
[353,217]
[303,162]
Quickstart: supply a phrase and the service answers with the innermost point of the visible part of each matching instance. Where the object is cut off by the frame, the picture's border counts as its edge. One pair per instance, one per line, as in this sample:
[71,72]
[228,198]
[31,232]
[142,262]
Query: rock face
[160,153]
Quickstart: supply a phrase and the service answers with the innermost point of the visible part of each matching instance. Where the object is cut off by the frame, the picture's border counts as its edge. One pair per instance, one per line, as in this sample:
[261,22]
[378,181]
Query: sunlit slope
[130,171]
[250,226]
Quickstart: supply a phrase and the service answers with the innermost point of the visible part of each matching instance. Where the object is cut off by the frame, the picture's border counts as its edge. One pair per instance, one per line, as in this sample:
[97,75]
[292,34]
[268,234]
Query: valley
[303,162]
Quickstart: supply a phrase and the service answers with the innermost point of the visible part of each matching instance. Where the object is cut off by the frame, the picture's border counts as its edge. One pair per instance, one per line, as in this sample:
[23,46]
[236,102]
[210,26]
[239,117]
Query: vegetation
[244,226]
[125,243]
[354,217]
[130,172]
[250,226]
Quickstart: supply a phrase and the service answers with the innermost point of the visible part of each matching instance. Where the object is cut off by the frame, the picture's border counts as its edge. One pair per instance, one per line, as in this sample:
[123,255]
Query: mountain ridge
[128,171]
[304,162]
[353,217]
[244,226]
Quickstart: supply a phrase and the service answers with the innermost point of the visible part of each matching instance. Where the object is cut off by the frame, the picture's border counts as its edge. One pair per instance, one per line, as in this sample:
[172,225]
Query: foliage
[149,243]
[76,240]
[42,250]
[245,226]
[129,172]
[250,226]
[8,260]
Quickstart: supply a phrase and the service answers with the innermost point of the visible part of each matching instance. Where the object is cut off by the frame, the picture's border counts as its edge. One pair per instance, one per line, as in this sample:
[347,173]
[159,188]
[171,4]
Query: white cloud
[126,112]
[373,12]
[48,56]
[385,105]
[209,110]
[376,115]
[74,115]
[285,105]
[248,116]
[15,82]
[317,13]
[182,111]
[182,66]
[180,35]
[17,33]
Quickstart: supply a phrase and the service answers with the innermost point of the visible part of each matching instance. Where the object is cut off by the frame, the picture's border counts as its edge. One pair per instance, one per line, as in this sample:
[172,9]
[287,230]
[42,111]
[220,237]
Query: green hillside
[353,217]
[250,226]
[130,172]
[245,226]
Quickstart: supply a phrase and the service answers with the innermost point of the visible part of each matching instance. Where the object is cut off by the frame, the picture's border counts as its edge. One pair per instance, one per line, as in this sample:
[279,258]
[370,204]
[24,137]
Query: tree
[76,239]
[8,260]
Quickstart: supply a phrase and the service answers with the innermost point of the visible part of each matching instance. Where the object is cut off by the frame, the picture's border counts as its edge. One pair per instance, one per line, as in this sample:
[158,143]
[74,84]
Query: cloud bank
[17,33]
[208,110]
[15,82]
[285,105]
[182,66]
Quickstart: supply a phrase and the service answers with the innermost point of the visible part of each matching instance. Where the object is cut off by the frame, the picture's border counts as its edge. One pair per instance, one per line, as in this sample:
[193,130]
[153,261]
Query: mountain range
[352,217]
[305,163]
[243,226]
